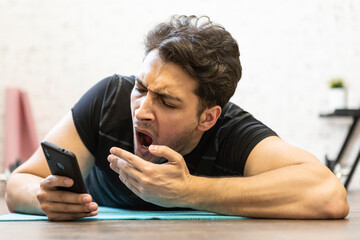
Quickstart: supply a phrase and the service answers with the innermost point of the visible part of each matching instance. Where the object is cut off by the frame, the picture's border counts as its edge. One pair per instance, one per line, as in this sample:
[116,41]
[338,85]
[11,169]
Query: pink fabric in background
[21,139]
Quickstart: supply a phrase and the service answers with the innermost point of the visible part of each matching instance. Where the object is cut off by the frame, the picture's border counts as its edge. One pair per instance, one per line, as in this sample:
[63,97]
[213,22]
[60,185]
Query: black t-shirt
[103,120]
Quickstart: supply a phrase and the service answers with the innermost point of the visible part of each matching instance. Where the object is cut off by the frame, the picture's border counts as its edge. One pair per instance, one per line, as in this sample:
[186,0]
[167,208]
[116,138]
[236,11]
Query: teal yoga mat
[106,213]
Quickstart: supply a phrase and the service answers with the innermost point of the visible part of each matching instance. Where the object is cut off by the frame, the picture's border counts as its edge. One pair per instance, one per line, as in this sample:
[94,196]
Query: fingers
[66,208]
[113,165]
[54,216]
[68,211]
[52,181]
[125,170]
[122,160]
[128,174]
[165,152]
[122,155]
[61,212]
[64,196]
[64,205]
[131,183]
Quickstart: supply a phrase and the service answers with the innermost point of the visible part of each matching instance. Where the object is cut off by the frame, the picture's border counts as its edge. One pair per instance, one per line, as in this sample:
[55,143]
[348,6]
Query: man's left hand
[166,184]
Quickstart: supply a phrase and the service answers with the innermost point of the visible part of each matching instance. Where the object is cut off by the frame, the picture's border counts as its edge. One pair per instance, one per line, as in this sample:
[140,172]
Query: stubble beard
[181,143]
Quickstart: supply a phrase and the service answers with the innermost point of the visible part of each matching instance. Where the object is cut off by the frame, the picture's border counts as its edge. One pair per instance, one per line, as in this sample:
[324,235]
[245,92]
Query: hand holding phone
[63,162]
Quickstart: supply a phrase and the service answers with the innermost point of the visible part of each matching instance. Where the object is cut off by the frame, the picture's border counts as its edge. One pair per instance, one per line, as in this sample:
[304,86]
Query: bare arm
[299,188]
[280,181]
[31,182]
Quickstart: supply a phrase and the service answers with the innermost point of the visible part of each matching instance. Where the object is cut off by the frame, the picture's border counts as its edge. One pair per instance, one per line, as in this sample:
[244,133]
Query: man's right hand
[63,205]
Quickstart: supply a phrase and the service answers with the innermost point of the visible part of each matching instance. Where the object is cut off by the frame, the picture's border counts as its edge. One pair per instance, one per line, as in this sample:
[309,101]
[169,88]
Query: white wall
[290,49]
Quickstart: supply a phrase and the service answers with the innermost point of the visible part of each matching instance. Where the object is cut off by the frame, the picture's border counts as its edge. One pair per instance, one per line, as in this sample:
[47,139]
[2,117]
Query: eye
[168,105]
[140,90]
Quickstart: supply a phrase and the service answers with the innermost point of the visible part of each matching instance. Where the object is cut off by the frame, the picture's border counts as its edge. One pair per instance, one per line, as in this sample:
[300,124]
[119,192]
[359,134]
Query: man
[173,140]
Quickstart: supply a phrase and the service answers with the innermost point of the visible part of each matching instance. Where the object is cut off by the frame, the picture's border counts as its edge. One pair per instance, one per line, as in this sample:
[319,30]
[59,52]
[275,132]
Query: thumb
[53,181]
[166,152]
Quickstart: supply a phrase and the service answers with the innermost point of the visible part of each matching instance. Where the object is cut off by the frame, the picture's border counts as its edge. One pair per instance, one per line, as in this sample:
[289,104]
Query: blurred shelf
[343,112]
[332,164]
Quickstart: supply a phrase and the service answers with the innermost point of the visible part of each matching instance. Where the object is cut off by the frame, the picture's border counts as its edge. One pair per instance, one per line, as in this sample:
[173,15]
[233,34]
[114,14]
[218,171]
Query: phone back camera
[60,166]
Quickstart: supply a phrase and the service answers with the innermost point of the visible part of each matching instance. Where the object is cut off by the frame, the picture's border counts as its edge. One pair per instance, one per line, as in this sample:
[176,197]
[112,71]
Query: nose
[144,112]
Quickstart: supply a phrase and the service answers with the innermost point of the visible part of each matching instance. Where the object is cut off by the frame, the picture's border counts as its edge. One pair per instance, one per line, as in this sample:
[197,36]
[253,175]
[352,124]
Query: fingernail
[92,207]
[113,150]
[67,182]
[152,147]
[86,199]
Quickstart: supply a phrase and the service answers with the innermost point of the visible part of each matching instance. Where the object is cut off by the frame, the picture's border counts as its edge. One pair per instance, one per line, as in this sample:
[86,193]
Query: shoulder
[234,118]
[232,113]
[115,115]
[116,88]
[112,86]
[237,133]
[113,95]
[99,95]
[102,107]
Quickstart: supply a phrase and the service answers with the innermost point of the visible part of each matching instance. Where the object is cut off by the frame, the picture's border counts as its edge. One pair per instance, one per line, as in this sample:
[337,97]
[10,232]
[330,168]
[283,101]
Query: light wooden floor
[247,229]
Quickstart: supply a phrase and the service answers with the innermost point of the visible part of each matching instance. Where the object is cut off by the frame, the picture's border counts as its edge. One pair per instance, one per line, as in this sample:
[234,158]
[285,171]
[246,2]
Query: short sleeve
[87,112]
[238,137]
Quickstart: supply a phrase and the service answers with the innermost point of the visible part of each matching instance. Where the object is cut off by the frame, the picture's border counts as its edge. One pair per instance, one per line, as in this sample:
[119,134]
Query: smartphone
[63,162]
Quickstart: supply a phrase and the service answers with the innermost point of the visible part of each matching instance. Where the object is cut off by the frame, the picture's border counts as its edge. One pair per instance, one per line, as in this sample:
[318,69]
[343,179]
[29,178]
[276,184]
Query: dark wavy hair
[205,50]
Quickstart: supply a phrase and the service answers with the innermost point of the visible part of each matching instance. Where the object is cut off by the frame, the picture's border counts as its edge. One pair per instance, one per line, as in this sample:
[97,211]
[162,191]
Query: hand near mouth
[166,185]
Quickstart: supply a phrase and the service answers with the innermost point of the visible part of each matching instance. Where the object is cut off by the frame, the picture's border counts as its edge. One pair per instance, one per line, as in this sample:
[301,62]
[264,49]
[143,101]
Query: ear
[208,118]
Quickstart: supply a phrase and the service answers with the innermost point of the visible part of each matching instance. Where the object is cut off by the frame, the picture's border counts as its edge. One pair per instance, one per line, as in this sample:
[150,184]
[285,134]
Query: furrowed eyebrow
[140,83]
[160,94]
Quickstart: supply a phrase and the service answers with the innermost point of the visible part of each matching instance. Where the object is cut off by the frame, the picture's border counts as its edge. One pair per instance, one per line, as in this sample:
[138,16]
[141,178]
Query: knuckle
[146,181]
[40,196]
[178,158]
[129,159]
[177,155]
[43,183]
[62,197]
[149,170]
[45,207]
[161,149]
[125,167]
[47,182]
[122,172]
[64,208]
[141,191]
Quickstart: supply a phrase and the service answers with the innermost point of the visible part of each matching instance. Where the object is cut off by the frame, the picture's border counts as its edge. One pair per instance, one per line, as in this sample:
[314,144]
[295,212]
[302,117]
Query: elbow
[9,203]
[337,208]
[9,197]
[335,204]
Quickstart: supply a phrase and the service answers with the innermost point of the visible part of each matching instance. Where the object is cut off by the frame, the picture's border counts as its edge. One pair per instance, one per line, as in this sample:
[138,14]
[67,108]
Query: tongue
[147,140]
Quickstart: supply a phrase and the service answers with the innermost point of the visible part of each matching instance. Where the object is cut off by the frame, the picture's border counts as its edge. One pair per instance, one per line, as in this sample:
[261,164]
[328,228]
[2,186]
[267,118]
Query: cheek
[174,124]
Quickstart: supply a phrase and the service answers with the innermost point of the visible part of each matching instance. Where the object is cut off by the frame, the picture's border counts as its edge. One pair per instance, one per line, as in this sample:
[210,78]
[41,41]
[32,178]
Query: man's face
[164,108]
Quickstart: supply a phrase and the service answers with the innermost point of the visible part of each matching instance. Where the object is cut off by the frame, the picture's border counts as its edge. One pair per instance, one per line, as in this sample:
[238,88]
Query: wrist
[191,192]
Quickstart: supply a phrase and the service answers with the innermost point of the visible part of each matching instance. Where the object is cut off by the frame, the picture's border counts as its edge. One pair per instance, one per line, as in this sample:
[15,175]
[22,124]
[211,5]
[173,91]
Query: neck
[193,143]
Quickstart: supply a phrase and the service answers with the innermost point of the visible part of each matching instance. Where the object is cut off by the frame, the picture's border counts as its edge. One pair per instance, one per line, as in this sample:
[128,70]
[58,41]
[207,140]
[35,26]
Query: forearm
[21,193]
[291,192]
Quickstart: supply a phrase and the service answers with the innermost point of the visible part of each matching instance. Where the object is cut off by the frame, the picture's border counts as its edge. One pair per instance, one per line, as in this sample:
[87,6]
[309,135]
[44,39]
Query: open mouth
[144,139]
